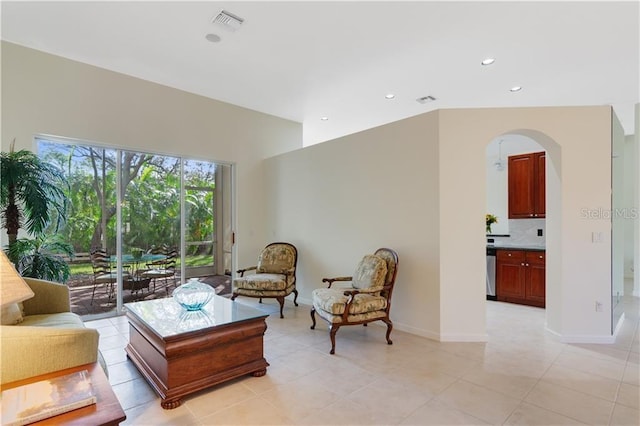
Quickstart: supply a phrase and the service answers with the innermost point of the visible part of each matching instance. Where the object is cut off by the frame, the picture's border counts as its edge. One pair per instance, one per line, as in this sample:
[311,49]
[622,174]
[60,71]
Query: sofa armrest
[31,351]
[50,298]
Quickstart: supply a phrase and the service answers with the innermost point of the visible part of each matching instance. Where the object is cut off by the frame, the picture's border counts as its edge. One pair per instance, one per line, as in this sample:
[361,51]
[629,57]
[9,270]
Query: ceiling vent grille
[228,20]
[425,99]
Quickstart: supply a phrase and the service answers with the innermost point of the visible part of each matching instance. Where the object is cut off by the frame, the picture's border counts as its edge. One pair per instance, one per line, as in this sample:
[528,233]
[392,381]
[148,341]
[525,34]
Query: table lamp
[13,288]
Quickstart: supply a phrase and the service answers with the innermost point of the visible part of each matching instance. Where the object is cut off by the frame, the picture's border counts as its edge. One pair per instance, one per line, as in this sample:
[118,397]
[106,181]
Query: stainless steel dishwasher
[491,273]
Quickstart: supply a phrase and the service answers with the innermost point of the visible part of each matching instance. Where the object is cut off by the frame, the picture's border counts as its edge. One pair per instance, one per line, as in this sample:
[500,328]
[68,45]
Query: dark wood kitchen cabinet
[527,185]
[520,277]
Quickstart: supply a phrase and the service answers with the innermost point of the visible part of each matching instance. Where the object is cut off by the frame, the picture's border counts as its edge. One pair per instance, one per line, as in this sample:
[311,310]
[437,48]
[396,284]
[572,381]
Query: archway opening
[534,232]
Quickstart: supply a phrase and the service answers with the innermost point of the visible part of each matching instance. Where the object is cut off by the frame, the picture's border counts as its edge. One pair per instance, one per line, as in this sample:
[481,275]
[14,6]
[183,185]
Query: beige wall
[417,185]
[342,199]
[431,171]
[578,143]
[46,94]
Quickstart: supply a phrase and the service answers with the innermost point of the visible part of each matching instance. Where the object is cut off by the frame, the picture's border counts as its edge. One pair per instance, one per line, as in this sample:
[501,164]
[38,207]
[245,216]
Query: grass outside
[201,260]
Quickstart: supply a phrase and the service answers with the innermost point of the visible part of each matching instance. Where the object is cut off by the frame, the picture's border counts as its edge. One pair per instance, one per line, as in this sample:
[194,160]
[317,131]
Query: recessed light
[389,96]
[488,61]
[516,89]
[324,118]
[213,38]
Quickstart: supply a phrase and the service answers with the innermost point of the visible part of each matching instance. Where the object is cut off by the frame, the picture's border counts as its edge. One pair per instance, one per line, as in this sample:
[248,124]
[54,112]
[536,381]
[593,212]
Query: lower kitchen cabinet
[520,277]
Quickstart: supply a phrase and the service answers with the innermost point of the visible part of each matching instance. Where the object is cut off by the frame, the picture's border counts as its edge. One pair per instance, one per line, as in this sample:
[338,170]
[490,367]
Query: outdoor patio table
[135,281]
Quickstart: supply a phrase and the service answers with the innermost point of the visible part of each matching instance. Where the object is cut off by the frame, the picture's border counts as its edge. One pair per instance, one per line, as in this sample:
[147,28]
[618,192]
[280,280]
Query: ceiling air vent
[228,20]
[425,99]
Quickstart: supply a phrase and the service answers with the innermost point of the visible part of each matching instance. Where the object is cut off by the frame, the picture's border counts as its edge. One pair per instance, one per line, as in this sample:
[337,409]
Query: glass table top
[167,318]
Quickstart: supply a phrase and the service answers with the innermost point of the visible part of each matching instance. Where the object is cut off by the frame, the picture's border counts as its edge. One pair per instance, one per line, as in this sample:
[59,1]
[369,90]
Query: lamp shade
[13,288]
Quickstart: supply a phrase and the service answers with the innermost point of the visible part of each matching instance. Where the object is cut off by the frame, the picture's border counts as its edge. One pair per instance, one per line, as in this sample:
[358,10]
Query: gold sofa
[49,338]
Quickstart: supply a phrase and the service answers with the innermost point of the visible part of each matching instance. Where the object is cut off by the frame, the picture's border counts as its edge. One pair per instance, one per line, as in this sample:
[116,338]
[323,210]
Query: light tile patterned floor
[521,376]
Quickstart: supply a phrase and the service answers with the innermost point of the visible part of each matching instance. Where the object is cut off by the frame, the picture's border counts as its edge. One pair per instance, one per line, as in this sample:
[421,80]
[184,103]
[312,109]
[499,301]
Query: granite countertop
[513,246]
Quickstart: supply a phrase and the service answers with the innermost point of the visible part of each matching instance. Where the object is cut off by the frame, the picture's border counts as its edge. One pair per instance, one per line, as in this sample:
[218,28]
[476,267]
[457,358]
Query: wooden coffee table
[180,352]
[106,410]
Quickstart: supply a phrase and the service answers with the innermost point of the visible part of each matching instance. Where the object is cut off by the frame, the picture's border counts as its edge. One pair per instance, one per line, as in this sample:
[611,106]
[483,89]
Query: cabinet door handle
[522,264]
[509,254]
[541,257]
[526,264]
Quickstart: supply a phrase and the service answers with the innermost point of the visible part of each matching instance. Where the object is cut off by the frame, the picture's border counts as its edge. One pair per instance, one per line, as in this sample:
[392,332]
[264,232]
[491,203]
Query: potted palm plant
[38,257]
[32,196]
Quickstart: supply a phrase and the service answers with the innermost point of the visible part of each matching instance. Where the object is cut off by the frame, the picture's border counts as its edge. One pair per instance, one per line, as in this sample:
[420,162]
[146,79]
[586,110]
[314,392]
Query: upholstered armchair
[274,277]
[366,299]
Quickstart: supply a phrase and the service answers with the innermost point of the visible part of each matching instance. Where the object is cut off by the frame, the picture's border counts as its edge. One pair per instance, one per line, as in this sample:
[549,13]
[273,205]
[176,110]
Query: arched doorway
[527,232]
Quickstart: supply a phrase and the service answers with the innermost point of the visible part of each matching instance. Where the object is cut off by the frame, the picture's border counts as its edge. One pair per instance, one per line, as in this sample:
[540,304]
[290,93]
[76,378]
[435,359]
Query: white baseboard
[302,301]
[416,331]
[578,338]
[452,337]
[581,338]
[432,335]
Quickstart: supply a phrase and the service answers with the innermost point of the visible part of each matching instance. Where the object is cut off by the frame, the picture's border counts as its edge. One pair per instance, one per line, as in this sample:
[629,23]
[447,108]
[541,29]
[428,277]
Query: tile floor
[521,376]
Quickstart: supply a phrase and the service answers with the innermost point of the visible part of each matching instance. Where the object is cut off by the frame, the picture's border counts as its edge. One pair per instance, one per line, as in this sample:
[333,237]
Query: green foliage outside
[36,258]
[151,199]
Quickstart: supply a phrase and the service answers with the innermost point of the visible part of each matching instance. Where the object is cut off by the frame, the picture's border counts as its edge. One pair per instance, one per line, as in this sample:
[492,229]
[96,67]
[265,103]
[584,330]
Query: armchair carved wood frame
[367,300]
[274,277]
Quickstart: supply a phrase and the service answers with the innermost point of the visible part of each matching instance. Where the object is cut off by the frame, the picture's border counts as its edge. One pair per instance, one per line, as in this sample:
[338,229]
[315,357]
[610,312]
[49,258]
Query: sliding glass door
[158,219]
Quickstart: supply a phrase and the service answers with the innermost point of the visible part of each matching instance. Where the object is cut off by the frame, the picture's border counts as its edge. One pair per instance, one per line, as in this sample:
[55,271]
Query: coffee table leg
[170,404]
[259,373]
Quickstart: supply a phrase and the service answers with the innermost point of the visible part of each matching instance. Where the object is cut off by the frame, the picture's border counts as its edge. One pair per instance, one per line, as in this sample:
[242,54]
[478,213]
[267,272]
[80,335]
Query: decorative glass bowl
[193,294]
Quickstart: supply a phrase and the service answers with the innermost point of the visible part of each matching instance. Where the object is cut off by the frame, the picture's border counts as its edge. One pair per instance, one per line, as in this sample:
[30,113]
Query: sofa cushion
[11,314]
[61,320]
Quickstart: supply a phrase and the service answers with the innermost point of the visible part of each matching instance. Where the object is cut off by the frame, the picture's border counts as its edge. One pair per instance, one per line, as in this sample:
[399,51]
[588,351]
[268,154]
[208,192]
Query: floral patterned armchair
[274,277]
[367,299]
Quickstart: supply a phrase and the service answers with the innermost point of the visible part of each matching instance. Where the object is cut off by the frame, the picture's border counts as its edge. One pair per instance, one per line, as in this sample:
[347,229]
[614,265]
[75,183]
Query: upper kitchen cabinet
[527,186]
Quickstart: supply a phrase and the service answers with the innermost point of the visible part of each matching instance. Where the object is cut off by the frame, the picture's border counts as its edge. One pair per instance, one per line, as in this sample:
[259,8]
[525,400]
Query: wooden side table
[106,411]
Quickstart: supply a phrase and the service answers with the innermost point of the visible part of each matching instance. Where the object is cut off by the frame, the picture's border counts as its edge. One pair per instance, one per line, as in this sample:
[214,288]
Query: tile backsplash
[524,232]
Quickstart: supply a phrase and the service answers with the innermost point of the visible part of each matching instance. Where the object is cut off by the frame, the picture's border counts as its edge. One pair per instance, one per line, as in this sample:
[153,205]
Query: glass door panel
[150,211]
[90,223]
[200,238]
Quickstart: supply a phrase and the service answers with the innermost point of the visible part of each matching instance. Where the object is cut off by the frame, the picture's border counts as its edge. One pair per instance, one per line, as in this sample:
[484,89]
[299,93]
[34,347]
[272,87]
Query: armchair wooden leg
[333,329]
[389,328]
[295,297]
[313,318]
[281,302]
[233,296]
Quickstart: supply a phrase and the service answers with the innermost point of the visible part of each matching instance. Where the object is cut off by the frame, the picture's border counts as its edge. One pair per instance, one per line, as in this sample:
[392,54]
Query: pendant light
[499,165]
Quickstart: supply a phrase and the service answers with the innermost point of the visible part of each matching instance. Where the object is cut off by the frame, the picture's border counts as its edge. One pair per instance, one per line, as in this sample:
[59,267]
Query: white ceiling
[306,60]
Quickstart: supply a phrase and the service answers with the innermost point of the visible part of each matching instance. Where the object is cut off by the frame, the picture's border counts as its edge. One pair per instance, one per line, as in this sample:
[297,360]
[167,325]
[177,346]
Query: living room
[413,185]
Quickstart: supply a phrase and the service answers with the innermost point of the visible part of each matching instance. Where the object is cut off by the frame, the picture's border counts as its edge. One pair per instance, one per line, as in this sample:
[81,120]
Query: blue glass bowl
[193,294]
